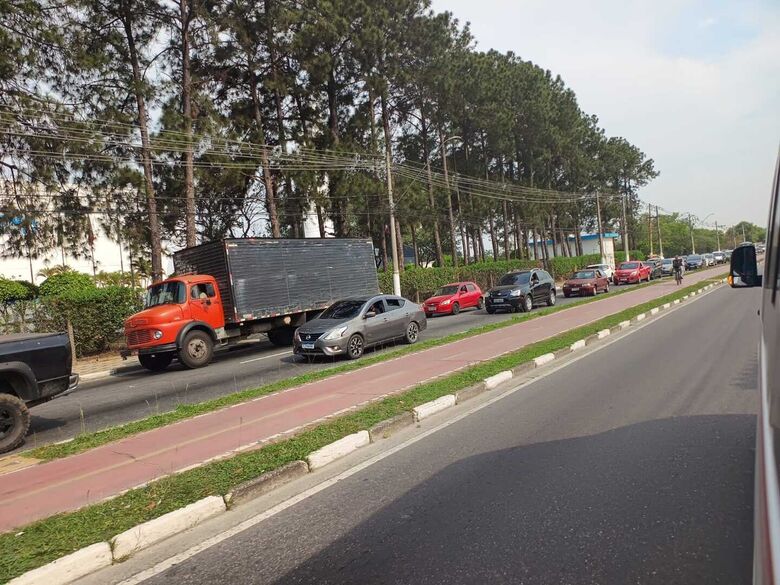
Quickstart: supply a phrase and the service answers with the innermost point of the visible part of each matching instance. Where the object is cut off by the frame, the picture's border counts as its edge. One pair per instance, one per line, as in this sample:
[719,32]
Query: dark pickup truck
[34,368]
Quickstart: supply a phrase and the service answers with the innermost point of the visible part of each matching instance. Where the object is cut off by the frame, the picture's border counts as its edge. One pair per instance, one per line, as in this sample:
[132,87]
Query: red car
[632,272]
[451,298]
[586,282]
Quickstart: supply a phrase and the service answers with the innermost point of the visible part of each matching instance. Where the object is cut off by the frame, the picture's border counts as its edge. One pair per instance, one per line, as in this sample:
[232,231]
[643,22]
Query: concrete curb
[603,333]
[430,408]
[544,359]
[497,379]
[559,353]
[676,302]
[385,428]
[624,324]
[69,568]
[337,449]
[470,392]
[666,305]
[144,535]
[254,488]
[654,311]
[579,344]
[640,317]
[523,368]
[108,373]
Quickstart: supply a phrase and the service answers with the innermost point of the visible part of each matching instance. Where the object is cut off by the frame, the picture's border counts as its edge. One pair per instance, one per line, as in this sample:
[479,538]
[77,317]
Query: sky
[694,84]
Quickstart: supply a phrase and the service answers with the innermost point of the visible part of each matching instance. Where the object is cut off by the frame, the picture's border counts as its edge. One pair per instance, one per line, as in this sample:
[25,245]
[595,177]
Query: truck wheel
[157,362]
[197,349]
[282,337]
[14,422]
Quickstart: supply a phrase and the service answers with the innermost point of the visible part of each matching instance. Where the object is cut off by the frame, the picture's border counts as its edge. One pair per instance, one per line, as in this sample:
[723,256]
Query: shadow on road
[667,501]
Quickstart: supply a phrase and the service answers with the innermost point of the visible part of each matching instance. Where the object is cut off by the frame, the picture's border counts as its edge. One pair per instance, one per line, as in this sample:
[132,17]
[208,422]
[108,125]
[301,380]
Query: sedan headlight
[447,302]
[157,334]
[515,293]
[336,333]
[297,335]
[634,273]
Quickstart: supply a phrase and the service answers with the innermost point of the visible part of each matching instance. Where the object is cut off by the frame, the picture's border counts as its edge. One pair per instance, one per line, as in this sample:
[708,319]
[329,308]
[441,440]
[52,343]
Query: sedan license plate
[575,288]
[307,345]
[498,301]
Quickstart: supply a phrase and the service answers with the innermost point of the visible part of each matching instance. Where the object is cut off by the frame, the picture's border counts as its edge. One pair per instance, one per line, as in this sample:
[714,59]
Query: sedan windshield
[668,261]
[629,266]
[165,293]
[696,258]
[584,274]
[517,278]
[343,310]
[446,290]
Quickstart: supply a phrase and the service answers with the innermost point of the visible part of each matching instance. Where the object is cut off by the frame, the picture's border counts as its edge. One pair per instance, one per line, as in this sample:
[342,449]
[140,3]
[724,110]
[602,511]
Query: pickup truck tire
[196,350]
[282,337]
[14,422]
[157,362]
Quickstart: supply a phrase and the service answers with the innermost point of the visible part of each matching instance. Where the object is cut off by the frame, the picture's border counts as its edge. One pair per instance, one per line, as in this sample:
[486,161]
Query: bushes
[419,283]
[97,315]
[66,283]
[12,291]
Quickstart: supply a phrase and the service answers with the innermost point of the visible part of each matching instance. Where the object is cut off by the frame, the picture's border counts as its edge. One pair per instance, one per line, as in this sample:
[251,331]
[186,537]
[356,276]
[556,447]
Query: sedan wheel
[606,288]
[455,309]
[412,332]
[528,304]
[481,303]
[552,298]
[355,347]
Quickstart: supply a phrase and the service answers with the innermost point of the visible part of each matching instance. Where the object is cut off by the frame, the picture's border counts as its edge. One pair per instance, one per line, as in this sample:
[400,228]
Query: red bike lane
[67,484]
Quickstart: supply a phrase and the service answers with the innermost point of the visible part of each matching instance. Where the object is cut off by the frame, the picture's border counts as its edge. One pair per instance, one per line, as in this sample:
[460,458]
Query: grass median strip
[57,536]
[184,411]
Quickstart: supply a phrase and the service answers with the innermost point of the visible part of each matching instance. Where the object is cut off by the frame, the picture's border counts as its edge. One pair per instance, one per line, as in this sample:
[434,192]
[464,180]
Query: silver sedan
[350,326]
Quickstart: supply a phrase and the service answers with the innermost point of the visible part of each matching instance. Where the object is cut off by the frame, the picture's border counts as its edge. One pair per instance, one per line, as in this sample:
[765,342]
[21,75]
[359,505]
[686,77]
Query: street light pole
[660,241]
[693,243]
[717,234]
[601,231]
[625,228]
[453,243]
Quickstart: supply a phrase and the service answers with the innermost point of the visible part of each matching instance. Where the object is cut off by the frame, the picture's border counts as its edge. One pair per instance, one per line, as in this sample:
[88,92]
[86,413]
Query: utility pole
[650,227]
[717,234]
[454,245]
[625,228]
[744,238]
[393,244]
[693,243]
[601,231]
[660,241]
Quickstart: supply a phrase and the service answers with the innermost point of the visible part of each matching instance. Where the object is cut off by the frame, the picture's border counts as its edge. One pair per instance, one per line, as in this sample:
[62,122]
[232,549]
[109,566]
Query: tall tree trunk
[399,240]
[185,14]
[553,235]
[431,198]
[536,242]
[453,244]
[383,249]
[493,238]
[507,232]
[320,220]
[338,204]
[414,244]
[268,182]
[389,154]
[146,158]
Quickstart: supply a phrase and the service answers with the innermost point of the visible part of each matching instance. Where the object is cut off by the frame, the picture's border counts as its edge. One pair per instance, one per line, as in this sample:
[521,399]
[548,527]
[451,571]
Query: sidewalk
[103,366]
[67,484]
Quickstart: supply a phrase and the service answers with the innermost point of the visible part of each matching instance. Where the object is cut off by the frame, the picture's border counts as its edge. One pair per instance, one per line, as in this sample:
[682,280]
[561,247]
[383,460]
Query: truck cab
[183,317]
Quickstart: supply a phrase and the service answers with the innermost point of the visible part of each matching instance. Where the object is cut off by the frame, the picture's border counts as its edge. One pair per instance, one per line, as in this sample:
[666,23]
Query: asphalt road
[633,464]
[132,396]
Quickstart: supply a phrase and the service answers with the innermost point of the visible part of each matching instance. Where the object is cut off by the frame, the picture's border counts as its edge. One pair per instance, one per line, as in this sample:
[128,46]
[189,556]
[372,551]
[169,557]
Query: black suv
[521,291]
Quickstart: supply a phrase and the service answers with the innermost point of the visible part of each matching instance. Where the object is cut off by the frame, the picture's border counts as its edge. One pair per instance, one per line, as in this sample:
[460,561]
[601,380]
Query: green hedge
[66,283]
[12,291]
[96,314]
[419,283]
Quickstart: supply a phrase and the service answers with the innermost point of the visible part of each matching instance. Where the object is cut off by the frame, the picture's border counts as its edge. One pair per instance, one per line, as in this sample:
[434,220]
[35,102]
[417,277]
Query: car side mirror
[744,268]
[369,314]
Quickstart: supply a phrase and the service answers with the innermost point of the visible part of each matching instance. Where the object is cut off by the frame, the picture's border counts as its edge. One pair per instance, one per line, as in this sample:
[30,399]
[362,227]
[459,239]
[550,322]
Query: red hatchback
[451,298]
[632,272]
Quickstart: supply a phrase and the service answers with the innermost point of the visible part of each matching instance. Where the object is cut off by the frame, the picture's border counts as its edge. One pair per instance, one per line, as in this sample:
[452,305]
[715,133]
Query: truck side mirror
[744,268]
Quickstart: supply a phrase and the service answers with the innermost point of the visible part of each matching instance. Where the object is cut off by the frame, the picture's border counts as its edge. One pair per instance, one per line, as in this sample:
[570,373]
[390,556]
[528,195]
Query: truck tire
[157,362]
[197,349]
[281,337]
[14,422]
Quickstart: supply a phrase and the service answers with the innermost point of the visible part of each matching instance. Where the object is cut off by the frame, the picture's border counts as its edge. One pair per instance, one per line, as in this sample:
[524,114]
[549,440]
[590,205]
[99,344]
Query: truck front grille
[139,337]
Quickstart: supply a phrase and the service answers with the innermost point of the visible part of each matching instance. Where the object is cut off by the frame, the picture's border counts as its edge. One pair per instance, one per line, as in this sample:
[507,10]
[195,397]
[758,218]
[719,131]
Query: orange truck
[227,290]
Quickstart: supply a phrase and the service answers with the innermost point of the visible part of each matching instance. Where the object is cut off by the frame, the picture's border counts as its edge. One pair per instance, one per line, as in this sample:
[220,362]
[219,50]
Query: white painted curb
[666,305]
[602,334]
[624,324]
[676,302]
[640,317]
[579,344]
[434,406]
[654,311]
[685,298]
[337,449]
[149,533]
[497,379]
[70,568]
[544,359]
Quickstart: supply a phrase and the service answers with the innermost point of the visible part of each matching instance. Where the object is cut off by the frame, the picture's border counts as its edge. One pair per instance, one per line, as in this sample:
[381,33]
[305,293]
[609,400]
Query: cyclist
[677,266]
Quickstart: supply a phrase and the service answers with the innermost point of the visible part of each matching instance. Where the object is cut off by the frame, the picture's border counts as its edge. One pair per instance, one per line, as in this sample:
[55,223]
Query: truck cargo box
[263,277]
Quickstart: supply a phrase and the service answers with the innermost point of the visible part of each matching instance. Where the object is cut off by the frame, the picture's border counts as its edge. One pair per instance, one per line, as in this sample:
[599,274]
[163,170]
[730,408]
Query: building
[590,245]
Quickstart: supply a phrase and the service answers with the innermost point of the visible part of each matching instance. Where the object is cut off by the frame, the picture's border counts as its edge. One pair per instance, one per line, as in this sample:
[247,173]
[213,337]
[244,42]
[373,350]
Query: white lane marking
[265,357]
[163,566]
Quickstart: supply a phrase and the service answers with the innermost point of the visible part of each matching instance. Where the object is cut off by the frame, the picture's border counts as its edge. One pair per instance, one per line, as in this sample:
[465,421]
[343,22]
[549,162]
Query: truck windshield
[343,310]
[164,293]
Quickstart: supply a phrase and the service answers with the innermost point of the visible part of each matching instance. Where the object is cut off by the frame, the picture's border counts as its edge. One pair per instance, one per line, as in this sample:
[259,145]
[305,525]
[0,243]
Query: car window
[544,275]
[393,304]
[629,266]
[516,278]
[471,288]
[378,307]
[585,274]
[202,291]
